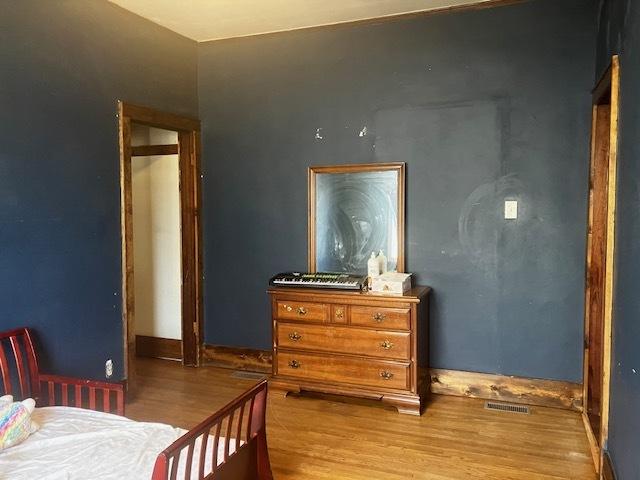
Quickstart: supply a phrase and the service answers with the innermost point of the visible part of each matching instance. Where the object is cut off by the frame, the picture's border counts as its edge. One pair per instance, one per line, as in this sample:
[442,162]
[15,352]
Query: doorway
[156,241]
[600,260]
[152,143]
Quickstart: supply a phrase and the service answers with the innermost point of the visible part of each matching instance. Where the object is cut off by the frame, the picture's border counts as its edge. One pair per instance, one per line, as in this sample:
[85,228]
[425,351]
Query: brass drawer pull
[294,364]
[386,375]
[339,313]
[379,317]
[295,336]
[387,345]
[301,311]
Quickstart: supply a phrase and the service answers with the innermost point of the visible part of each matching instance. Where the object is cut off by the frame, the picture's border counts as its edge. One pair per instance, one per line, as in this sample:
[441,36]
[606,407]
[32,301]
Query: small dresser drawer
[334,368]
[357,341]
[306,311]
[395,318]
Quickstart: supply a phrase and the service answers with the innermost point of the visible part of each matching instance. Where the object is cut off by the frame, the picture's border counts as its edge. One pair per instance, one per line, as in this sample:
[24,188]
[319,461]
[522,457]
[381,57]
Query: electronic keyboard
[341,281]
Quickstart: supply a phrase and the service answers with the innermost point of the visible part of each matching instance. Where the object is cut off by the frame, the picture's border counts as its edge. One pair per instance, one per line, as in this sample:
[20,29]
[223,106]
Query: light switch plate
[510,209]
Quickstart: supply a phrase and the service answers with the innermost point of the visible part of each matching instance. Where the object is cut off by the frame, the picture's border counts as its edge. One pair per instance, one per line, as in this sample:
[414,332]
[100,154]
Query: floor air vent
[507,407]
[248,375]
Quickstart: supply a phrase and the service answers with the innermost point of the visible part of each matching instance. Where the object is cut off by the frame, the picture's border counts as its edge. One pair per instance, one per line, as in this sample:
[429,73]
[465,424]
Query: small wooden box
[391,283]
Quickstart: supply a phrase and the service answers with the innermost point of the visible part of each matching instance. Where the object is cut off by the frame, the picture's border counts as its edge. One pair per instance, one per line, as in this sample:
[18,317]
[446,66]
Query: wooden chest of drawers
[352,343]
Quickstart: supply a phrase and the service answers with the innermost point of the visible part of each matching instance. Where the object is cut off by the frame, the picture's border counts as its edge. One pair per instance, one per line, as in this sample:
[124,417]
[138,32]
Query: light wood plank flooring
[314,438]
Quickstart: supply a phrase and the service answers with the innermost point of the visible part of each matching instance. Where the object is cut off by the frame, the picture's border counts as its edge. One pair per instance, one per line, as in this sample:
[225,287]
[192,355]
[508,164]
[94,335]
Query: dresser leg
[279,391]
[284,390]
[408,406]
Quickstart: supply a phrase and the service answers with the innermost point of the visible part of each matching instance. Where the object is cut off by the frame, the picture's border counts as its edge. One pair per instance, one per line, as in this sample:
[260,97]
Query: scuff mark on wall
[480,221]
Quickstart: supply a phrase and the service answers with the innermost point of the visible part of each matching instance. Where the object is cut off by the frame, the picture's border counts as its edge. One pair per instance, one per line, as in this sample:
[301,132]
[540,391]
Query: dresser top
[416,294]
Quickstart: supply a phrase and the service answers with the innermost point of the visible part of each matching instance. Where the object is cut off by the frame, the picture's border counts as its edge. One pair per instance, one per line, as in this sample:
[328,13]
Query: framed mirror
[355,210]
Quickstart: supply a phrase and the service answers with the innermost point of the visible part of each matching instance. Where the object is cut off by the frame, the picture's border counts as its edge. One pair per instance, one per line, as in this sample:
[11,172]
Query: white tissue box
[391,283]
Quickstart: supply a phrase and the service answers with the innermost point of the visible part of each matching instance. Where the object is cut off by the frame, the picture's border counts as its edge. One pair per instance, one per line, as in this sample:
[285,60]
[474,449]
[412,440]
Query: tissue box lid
[393,283]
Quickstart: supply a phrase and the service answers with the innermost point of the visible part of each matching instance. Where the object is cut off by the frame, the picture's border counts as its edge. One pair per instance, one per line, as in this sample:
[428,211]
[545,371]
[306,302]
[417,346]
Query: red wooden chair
[22,379]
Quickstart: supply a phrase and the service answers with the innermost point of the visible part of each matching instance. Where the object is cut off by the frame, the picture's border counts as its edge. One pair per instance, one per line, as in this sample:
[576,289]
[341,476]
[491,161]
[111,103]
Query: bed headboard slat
[250,419]
[216,443]
[239,430]
[227,436]
[92,398]
[78,396]
[65,394]
[52,392]
[175,461]
[187,473]
[203,452]
[4,367]
[20,366]
[106,400]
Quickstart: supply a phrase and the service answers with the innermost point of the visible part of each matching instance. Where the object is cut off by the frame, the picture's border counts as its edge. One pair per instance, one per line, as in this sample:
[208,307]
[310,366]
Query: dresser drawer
[294,310]
[358,341]
[334,368]
[397,318]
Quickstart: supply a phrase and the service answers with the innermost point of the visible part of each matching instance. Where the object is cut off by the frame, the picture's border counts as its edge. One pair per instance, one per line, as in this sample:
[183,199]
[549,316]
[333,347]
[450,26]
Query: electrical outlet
[108,368]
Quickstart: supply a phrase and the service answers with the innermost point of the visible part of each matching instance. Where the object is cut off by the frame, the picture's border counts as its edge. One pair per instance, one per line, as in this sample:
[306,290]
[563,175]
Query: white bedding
[77,444]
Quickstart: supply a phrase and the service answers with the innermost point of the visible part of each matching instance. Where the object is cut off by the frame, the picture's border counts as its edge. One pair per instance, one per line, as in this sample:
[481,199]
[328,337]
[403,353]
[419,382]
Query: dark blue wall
[619,32]
[510,85]
[63,66]
[481,105]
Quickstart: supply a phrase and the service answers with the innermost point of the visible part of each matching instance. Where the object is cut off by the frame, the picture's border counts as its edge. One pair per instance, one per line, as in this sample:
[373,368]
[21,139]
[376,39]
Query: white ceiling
[204,20]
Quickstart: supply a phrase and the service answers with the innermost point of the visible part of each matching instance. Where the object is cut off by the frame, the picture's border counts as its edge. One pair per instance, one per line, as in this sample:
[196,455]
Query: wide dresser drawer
[381,317]
[350,340]
[349,370]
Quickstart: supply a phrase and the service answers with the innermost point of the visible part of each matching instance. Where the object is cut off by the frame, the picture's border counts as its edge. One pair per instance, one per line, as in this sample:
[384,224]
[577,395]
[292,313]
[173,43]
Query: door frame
[189,153]
[606,92]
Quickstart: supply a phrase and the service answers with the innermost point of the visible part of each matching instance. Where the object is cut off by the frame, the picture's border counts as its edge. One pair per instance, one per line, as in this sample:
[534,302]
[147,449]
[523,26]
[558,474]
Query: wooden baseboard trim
[530,391]
[157,347]
[237,358]
[608,472]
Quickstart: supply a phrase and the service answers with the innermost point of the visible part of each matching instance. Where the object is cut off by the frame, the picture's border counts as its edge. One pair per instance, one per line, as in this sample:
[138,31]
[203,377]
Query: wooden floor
[315,438]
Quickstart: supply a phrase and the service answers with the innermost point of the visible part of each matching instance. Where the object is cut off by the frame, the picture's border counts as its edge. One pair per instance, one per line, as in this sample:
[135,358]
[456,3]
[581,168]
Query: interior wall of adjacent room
[156,237]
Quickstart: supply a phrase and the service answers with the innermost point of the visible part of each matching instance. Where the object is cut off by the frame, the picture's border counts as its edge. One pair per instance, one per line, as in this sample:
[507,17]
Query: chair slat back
[18,364]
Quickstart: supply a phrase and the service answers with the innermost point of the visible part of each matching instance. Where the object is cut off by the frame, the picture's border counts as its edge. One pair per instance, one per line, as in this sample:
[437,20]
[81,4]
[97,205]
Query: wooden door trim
[126,235]
[150,150]
[610,253]
[606,92]
[189,152]
[158,119]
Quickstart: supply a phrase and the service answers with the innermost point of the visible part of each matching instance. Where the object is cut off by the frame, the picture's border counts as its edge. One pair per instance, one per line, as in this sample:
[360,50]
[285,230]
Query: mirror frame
[398,167]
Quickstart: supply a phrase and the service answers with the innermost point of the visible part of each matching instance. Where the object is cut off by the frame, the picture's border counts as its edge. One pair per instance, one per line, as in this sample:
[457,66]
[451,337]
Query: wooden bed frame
[240,423]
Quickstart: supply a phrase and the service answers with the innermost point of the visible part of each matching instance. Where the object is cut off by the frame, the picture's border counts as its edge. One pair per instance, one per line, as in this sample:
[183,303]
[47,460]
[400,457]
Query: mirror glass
[356,213]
